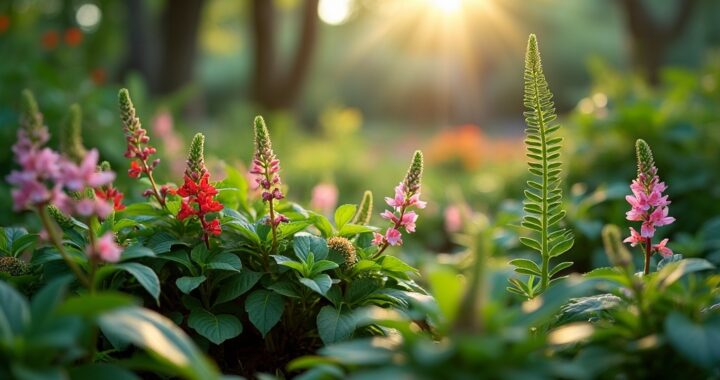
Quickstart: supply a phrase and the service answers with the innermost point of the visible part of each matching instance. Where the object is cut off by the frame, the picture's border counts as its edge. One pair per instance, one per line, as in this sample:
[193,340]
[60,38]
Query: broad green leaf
[322,224]
[698,343]
[145,276]
[354,229]
[322,266]
[288,229]
[360,289]
[104,371]
[285,288]
[135,252]
[320,283]
[237,285]
[304,243]
[675,271]
[162,242]
[23,243]
[188,284]
[335,325]
[225,261]
[264,309]
[393,264]
[216,328]
[161,338]
[344,214]
[48,299]
[200,254]
[584,308]
[14,312]
[93,305]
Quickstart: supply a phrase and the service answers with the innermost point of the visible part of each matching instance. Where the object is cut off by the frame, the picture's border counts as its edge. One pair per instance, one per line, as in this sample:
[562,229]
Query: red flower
[50,39]
[135,169]
[73,36]
[98,76]
[198,200]
[4,23]
[111,193]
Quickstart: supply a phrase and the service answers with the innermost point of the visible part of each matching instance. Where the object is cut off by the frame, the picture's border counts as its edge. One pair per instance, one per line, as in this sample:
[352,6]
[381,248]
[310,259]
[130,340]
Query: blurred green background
[351,87]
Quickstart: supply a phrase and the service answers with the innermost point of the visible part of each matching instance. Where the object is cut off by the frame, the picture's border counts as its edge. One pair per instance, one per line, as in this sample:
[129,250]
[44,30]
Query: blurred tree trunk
[273,88]
[651,39]
[164,58]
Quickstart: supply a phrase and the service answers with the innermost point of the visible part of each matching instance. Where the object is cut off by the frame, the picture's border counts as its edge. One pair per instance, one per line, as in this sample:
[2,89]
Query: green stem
[156,193]
[57,242]
[543,234]
[648,255]
[93,259]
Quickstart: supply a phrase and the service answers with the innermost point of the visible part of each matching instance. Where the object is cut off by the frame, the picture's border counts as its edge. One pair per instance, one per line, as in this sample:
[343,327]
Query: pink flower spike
[639,201]
[393,236]
[399,199]
[634,238]
[647,230]
[662,249]
[415,201]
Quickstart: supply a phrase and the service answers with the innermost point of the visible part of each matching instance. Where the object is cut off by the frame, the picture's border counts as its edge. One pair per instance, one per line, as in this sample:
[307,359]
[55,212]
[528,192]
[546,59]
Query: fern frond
[543,196]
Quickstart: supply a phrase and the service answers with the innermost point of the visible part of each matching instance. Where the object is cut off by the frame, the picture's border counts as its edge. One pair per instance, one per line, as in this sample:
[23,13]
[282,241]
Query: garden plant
[217,274]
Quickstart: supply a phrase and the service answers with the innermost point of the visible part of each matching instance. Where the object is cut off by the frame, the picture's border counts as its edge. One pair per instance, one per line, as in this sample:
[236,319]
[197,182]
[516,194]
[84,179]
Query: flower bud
[617,254]
[71,135]
[414,174]
[13,266]
[364,213]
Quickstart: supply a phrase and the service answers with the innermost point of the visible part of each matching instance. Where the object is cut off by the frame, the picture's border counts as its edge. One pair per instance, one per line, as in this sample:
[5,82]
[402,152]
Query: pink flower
[389,215]
[378,239]
[660,217]
[399,199]
[105,249]
[634,239]
[408,221]
[77,177]
[324,197]
[393,236]
[662,249]
[415,201]
[453,219]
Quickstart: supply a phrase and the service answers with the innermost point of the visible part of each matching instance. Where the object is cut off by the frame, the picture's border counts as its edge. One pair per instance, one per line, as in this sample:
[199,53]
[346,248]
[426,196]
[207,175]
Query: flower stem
[159,198]
[648,255]
[57,242]
[395,226]
[93,259]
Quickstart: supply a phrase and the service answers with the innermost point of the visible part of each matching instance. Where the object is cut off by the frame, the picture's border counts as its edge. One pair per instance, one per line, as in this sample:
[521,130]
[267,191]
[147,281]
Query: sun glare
[334,12]
[447,6]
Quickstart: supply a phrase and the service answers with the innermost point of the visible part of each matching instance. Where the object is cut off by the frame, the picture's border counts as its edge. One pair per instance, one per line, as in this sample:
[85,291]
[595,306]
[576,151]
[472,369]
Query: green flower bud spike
[71,135]
[128,115]
[646,162]
[364,213]
[104,166]
[196,161]
[31,120]
[344,247]
[414,174]
[263,145]
[62,220]
[617,254]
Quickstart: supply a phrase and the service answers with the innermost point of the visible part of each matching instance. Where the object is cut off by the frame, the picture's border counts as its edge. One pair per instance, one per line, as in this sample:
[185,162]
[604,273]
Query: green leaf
[354,229]
[161,338]
[188,284]
[698,343]
[23,243]
[216,328]
[237,285]
[162,242]
[322,266]
[527,265]
[344,214]
[48,299]
[264,309]
[584,308]
[200,254]
[304,243]
[360,289]
[92,305]
[393,264]
[561,266]
[322,224]
[320,283]
[14,312]
[145,276]
[335,325]
[288,229]
[225,261]
[103,371]
[285,288]
[675,271]
[562,247]
[135,252]
[531,243]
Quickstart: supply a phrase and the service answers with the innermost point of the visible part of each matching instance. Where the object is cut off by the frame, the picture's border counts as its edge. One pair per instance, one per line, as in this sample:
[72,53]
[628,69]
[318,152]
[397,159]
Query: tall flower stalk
[407,195]
[197,192]
[139,149]
[648,205]
[265,167]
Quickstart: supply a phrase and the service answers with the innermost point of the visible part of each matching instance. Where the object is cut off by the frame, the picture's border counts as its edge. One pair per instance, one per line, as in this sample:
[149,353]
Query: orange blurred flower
[468,145]
[4,23]
[50,39]
[98,76]
[73,36]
